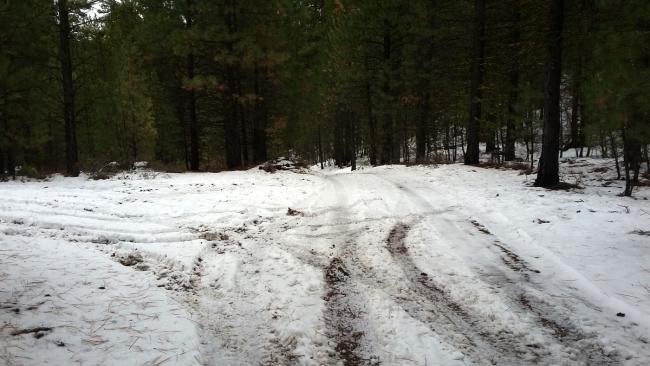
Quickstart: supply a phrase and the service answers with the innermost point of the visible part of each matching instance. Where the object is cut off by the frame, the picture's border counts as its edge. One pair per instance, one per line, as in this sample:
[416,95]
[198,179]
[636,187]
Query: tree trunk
[11,160]
[372,131]
[548,170]
[259,120]
[191,95]
[421,132]
[387,130]
[631,155]
[243,136]
[351,140]
[320,150]
[490,133]
[513,78]
[575,110]
[476,91]
[339,136]
[181,106]
[231,132]
[347,115]
[3,165]
[603,145]
[65,58]
[5,151]
[192,123]
[405,142]
[612,141]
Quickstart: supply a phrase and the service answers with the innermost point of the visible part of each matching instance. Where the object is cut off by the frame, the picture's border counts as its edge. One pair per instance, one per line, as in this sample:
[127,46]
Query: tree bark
[3,165]
[191,95]
[490,133]
[350,140]
[259,119]
[231,133]
[320,150]
[631,153]
[65,58]
[387,128]
[513,78]
[612,140]
[339,137]
[372,131]
[243,136]
[476,91]
[421,132]
[575,111]
[548,170]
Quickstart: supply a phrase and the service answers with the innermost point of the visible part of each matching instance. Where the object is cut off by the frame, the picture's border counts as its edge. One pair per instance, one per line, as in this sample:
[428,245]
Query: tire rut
[342,314]
[560,327]
[563,331]
[433,305]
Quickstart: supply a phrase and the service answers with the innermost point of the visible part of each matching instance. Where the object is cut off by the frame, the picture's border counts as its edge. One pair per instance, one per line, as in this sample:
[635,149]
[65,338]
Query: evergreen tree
[548,170]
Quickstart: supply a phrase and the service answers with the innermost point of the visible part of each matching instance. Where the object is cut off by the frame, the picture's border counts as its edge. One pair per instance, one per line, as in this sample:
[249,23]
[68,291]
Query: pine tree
[476,87]
[548,169]
[69,112]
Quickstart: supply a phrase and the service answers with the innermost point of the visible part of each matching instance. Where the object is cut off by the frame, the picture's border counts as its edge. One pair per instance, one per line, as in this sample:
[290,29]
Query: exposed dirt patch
[39,332]
[283,164]
[292,212]
[480,227]
[565,186]
[601,169]
[514,262]
[130,259]
[282,354]
[509,258]
[214,236]
[641,232]
[558,330]
[103,240]
[340,314]
[522,167]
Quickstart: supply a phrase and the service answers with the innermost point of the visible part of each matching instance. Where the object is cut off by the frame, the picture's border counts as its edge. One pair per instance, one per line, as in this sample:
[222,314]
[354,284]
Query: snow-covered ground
[423,265]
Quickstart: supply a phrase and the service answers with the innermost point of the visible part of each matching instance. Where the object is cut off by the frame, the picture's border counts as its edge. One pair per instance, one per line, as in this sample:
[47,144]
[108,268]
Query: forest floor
[395,265]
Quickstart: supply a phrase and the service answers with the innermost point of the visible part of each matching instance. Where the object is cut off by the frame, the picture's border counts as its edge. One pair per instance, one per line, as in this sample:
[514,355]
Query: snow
[99,311]
[422,265]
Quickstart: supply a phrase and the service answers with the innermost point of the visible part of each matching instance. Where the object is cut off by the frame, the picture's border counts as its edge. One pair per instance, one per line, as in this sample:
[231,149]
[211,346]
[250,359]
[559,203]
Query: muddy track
[432,305]
[280,354]
[504,347]
[342,314]
[509,258]
[559,326]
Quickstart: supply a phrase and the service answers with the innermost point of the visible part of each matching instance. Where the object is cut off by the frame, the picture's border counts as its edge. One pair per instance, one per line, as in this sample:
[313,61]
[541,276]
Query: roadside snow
[91,310]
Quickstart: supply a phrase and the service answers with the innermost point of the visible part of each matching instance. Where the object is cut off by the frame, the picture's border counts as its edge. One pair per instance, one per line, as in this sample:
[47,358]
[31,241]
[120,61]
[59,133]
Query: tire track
[440,311]
[560,326]
[587,349]
[343,314]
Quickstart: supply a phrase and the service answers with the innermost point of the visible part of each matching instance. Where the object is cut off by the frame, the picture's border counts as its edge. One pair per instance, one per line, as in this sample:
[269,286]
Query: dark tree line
[226,84]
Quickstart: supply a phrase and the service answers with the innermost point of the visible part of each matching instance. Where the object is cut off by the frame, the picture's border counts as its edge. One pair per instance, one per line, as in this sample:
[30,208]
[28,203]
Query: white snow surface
[395,265]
